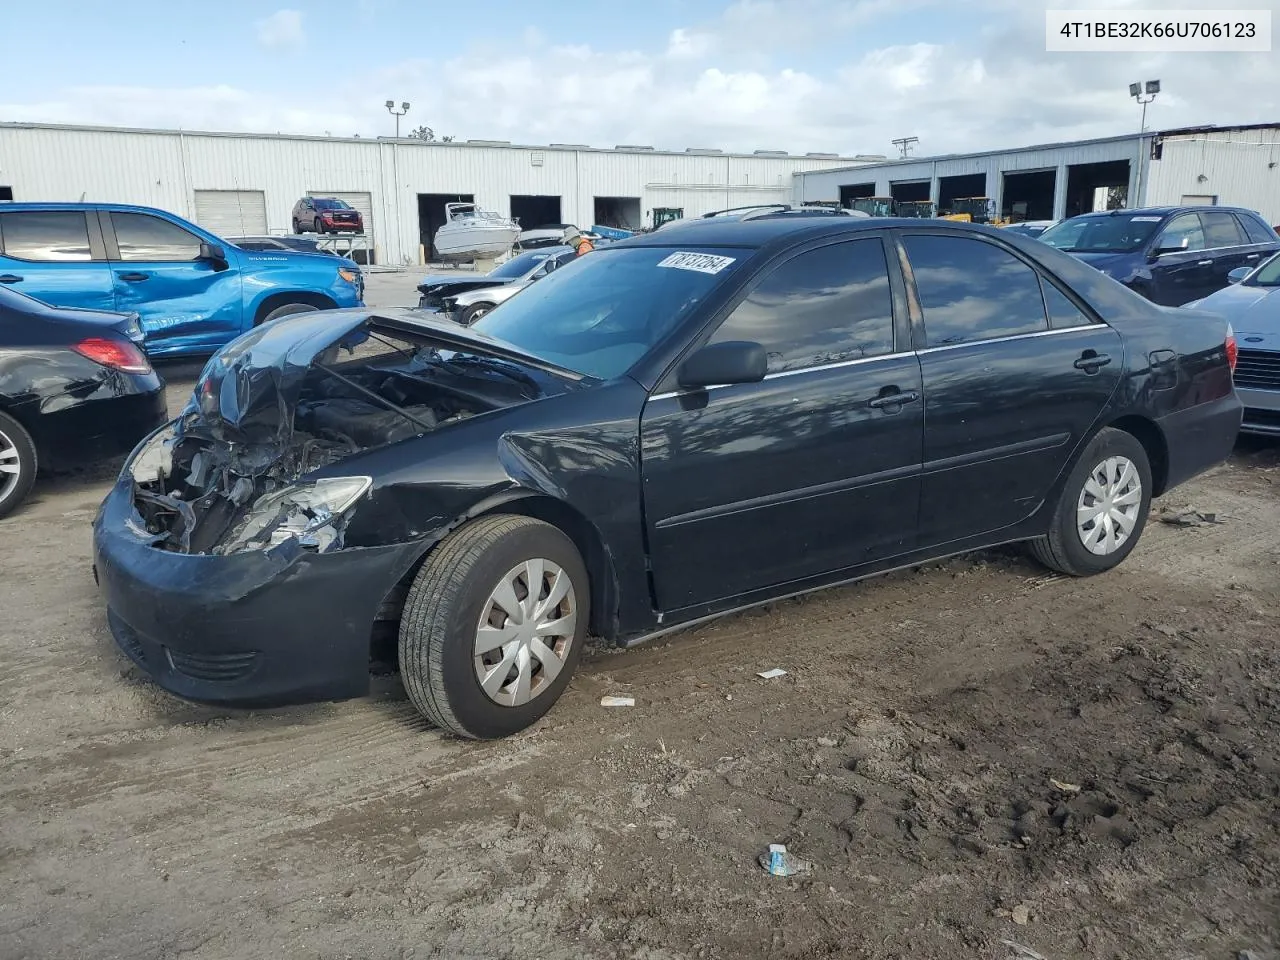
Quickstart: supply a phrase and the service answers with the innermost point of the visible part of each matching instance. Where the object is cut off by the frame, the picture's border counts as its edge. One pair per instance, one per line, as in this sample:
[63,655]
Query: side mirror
[211,251]
[734,361]
[1238,274]
[1161,250]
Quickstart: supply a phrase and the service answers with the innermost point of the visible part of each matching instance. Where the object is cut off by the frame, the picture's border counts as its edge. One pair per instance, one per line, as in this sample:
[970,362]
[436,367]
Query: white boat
[474,234]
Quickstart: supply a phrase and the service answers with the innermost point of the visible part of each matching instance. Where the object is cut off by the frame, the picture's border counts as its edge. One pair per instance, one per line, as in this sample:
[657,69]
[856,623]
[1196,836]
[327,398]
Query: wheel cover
[479,312]
[10,466]
[526,630]
[1107,509]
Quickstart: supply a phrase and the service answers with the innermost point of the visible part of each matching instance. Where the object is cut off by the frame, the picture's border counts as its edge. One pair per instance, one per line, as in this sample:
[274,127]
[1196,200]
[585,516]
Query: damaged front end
[231,473]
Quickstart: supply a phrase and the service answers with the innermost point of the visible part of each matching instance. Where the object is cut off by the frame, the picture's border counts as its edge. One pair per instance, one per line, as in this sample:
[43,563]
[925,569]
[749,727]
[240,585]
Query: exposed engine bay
[227,476]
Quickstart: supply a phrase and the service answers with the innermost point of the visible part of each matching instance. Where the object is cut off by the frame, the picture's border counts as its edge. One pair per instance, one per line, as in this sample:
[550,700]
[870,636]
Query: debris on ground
[1065,787]
[617,701]
[771,674]
[777,861]
[1188,518]
[1021,914]
[1024,952]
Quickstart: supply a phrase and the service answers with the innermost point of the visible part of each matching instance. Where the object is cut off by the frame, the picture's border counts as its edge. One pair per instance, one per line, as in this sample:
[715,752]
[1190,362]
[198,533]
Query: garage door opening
[909,190]
[362,201]
[535,211]
[1028,196]
[1097,186]
[6,194]
[232,213]
[622,213]
[850,192]
[951,189]
[431,216]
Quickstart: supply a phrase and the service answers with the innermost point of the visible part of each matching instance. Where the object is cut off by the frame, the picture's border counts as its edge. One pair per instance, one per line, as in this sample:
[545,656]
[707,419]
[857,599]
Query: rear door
[1015,373]
[1263,241]
[56,256]
[813,470]
[184,302]
[1184,272]
[1226,244]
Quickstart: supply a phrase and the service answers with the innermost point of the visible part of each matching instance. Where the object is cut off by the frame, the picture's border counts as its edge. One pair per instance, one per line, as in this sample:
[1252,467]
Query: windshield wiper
[497,365]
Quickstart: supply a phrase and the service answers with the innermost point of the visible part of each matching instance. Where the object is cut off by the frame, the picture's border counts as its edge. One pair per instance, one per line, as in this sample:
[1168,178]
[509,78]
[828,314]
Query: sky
[843,76]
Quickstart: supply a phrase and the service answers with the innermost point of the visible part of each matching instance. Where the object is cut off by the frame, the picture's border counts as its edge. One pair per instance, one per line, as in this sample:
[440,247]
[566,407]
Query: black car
[683,424]
[286,242]
[326,215]
[75,386]
[1170,255]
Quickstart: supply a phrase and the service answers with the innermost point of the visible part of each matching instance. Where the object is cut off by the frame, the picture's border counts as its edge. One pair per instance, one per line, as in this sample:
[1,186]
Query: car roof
[757,231]
[1163,211]
[41,205]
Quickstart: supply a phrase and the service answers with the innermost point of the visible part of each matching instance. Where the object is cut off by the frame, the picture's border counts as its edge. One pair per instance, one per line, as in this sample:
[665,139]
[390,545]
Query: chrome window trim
[1013,336]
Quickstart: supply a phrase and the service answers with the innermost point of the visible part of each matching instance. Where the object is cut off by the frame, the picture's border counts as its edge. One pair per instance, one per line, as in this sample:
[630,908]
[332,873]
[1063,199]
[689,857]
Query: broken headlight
[152,459]
[313,513]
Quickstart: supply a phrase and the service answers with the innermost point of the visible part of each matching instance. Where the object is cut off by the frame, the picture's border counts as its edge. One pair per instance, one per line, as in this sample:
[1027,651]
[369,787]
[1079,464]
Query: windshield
[1109,233]
[601,313]
[329,204]
[519,266]
[1267,275]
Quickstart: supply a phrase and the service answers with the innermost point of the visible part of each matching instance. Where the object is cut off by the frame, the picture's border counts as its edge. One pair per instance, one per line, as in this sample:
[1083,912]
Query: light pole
[1144,93]
[391,109]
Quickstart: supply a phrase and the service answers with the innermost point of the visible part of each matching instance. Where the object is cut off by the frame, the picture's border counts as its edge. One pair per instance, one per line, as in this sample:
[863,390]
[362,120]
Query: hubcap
[526,629]
[478,312]
[1107,510]
[9,466]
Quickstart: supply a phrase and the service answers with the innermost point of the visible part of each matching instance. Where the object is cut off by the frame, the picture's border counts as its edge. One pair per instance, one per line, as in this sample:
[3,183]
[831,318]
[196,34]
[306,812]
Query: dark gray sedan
[1252,306]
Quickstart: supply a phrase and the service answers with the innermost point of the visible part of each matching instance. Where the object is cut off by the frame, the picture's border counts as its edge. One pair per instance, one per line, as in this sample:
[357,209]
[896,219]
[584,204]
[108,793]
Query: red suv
[326,215]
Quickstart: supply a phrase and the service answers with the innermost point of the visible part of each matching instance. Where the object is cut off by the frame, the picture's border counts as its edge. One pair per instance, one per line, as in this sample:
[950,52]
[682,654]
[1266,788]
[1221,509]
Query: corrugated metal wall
[164,169]
[1241,168]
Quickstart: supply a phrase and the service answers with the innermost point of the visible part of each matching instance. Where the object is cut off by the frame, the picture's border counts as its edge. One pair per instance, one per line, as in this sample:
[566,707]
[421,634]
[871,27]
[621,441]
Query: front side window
[600,314]
[51,236]
[1221,230]
[824,306]
[1183,233]
[972,290]
[141,236]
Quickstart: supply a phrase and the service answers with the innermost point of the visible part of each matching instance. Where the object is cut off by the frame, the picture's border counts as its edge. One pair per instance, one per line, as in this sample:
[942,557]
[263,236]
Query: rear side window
[45,235]
[1256,232]
[1062,312]
[1221,230]
[823,306]
[971,290]
[144,237]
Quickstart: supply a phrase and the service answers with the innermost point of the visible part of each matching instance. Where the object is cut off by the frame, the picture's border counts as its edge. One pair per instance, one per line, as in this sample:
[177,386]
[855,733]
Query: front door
[1184,270]
[1015,373]
[183,302]
[56,256]
[813,470]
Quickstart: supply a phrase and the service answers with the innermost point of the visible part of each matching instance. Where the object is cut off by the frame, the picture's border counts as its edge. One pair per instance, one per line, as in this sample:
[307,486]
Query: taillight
[117,354]
[1233,351]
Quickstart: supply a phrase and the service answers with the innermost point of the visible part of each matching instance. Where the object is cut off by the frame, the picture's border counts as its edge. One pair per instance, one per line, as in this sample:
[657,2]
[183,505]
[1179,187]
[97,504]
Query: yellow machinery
[916,208]
[975,210]
[875,206]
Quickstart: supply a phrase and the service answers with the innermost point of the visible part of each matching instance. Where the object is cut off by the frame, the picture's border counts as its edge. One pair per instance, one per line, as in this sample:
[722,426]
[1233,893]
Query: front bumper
[1261,411]
[249,629]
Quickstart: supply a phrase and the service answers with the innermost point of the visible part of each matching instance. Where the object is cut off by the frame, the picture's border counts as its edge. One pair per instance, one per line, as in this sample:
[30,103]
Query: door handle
[10,278]
[133,277]
[1091,362]
[896,398]
[1253,256]
[1205,263]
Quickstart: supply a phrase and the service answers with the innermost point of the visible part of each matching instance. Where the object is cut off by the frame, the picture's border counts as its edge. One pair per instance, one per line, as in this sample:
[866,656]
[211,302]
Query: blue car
[192,291]
[1170,255]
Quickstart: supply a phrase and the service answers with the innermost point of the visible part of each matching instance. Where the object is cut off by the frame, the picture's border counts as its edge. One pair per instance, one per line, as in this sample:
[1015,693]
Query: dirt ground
[980,759]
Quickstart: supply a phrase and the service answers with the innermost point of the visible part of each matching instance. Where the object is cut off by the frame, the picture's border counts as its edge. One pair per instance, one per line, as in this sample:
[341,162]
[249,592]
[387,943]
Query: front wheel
[493,626]
[1102,509]
[319,226]
[288,310]
[473,313]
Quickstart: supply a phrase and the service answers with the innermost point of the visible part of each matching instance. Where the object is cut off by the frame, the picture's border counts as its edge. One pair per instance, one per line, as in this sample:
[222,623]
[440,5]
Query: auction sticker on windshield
[701,262]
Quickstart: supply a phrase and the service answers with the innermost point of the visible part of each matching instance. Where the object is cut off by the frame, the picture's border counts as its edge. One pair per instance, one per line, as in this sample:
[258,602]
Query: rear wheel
[1102,509]
[17,463]
[474,312]
[493,626]
[297,227]
[288,309]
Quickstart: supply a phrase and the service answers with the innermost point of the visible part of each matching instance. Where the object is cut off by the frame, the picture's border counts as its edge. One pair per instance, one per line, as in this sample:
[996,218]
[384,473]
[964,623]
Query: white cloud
[758,77]
[282,29]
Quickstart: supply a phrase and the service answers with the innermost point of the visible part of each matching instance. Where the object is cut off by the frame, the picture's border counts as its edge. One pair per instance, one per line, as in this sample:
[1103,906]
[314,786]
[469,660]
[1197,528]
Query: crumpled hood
[248,391]
[440,283]
[1250,309]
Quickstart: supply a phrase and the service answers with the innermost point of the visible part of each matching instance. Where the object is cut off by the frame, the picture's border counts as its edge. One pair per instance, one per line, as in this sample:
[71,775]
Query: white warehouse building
[1230,166]
[247,184]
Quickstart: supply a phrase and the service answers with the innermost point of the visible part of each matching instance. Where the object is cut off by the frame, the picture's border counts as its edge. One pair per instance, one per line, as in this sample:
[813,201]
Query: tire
[1063,547]
[319,226]
[442,618]
[474,312]
[297,227]
[288,310]
[18,463]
